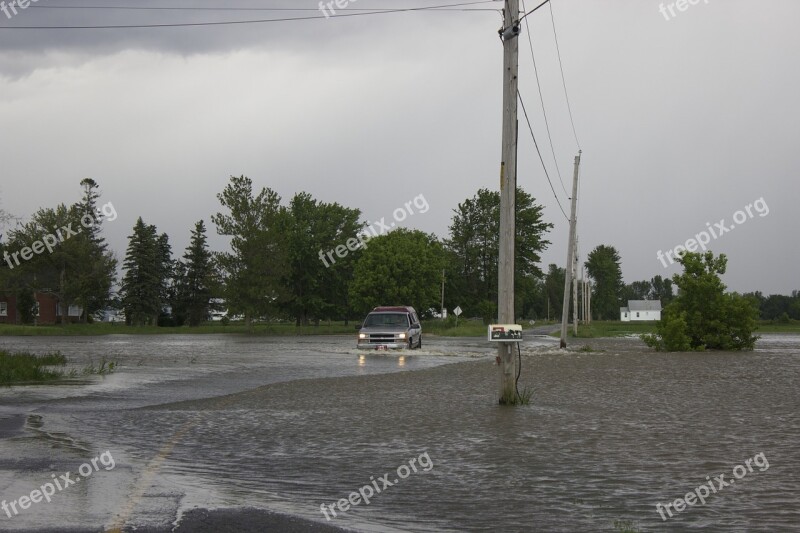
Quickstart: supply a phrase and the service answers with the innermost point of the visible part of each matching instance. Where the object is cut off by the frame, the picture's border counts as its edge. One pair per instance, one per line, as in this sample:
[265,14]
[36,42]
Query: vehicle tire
[419,345]
[411,343]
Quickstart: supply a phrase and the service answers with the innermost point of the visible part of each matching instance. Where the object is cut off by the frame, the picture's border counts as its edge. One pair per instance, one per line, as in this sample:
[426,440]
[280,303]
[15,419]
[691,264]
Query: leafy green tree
[554,290]
[661,290]
[147,268]
[57,268]
[473,243]
[254,269]
[603,266]
[638,290]
[71,259]
[402,267]
[316,281]
[703,316]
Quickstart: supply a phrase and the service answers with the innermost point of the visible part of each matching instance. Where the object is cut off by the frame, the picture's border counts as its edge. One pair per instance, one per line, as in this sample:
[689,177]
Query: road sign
[457,311]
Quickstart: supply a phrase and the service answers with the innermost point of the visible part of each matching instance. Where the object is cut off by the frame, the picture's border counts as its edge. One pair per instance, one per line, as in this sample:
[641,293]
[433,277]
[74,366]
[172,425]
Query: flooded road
[294,424]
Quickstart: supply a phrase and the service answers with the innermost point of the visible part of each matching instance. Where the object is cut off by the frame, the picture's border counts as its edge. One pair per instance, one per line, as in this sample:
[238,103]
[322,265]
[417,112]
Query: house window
[3,308]
[637,314]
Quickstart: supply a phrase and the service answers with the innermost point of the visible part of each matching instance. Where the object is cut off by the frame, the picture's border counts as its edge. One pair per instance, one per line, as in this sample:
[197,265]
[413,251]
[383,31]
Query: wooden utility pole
[442,308]
[589,302]
[575,290]
[570,253]
[508,191]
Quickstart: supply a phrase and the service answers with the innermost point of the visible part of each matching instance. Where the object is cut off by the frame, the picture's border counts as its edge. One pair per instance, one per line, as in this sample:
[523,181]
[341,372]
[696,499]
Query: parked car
[390,327]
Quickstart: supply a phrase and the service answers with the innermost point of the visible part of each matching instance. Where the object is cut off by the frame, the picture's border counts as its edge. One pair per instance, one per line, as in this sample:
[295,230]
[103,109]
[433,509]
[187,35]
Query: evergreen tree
[148,269]
[194,279]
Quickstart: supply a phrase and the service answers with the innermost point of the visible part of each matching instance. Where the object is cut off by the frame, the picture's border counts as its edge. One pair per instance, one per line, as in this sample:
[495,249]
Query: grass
[466,328]
[446,328]
[611,329]
[106,328]
[23,367]
[767,326]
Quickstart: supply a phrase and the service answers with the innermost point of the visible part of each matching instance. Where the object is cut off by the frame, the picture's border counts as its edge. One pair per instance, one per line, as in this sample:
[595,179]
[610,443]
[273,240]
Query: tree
[93,282]
[554,289]
[473,246]
[72,260]
[254,269]
[316,283]
[638,290]
[147,268]
[56,269]
[703,316]
[661,290]
[603,266]
[194,278]
[402,267]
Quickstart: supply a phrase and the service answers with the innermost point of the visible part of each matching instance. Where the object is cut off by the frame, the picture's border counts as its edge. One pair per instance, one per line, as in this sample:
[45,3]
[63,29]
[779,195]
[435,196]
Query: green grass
[610,329]
[23,367]
[766,326]
[105,328]
[446,328]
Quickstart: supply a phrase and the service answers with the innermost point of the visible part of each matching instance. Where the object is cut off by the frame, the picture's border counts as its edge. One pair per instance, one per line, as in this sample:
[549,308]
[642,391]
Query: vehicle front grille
[381,338]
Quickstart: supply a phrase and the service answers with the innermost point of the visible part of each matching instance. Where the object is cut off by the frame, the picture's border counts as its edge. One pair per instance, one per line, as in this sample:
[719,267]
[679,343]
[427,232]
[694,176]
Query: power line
[563,80]
[534,9]
[229,8]
[525,112]
[541,98]
[442,8]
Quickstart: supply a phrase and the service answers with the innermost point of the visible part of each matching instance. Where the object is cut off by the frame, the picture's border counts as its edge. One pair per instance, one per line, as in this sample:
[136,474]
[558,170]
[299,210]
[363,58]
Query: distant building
[46,309]
[641,310]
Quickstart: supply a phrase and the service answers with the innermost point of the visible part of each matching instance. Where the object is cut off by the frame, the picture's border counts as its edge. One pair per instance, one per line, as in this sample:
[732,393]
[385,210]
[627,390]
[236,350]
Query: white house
[641,310]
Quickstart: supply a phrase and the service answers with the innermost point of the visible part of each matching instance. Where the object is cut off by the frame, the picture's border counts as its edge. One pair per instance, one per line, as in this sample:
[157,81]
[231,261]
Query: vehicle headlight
[362,335]
[401,336]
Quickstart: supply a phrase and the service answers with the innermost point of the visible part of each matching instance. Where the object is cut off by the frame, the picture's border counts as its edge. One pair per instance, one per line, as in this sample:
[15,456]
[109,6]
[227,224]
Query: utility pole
[570,252]
[508,192]
[442,308]
[589,302]
[575,291]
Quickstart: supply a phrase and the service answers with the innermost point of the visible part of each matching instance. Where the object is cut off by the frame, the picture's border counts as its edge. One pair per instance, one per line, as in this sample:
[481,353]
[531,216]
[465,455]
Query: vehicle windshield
[386,319]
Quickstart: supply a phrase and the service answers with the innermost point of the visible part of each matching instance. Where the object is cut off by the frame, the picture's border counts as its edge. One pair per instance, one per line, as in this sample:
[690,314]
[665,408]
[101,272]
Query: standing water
[299,425]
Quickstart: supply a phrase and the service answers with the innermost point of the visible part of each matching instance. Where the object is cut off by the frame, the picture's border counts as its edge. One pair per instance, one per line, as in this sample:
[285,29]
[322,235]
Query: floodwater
[290,424]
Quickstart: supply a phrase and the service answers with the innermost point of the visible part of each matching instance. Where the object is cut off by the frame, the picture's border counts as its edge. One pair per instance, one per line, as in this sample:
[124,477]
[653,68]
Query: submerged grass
[23,367]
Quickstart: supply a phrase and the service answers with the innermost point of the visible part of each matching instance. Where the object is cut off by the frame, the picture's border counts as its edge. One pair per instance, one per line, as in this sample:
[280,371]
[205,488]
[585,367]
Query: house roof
[644,305]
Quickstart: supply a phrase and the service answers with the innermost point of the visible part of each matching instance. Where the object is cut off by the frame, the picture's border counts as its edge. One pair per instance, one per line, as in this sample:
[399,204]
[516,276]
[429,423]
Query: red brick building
[47,304]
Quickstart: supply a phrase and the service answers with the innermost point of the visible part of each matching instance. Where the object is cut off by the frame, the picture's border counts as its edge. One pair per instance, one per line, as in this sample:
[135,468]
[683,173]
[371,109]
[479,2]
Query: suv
[390,327]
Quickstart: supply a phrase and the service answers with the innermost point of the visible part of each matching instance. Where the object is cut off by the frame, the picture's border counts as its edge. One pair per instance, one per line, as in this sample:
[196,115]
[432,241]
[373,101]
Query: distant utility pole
[508,191]
[442,308]
[575,290]
[589,302]
[570,253]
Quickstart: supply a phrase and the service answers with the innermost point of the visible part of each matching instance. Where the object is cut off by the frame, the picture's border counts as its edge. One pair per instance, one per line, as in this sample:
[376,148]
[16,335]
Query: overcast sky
[682,122]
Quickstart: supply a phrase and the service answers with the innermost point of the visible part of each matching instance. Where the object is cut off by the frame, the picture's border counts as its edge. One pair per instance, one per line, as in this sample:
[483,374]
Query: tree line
[273,268]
